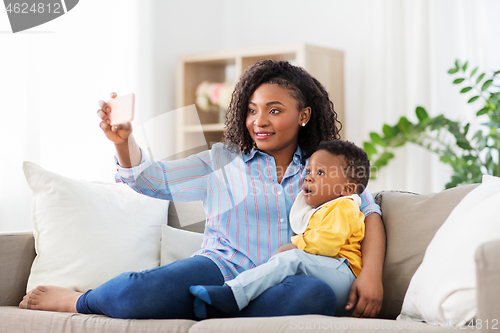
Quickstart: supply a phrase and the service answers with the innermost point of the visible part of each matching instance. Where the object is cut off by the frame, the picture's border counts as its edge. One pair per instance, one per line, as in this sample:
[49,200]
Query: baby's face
[325,178]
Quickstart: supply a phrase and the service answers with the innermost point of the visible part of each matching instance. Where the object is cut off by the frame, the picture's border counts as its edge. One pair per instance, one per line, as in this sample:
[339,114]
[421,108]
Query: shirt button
[282,220]
[279,192]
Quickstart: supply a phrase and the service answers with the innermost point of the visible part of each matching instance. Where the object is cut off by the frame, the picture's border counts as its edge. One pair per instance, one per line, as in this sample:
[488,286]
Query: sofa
[410,221]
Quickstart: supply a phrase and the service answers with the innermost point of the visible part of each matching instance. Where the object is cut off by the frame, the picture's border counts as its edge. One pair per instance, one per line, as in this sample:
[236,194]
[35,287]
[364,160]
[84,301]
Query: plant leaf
[465,66]
[386,156]
[388,131]
[473,71]
[466,89]
[491,124]
[473,99]
[369,149]
[478,135]
[446,159]
[496,73]
[404,125]
[486,84]
[480,77]
[482,111]
[457,64]
[398,142]
[377,139]
[488,158]
[459,80]
[421,113]
[469,158]
[464,144]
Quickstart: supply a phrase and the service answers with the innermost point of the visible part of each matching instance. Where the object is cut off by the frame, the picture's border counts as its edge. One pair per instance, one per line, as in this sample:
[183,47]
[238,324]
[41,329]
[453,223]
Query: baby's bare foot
[51,298]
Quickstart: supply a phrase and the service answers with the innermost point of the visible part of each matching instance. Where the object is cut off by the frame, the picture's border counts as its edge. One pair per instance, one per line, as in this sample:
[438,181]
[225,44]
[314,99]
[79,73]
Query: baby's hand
[286,247]
[118,134]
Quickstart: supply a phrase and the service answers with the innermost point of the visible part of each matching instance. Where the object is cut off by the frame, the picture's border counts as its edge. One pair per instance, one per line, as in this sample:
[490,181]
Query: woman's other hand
[118,134]
[369,293]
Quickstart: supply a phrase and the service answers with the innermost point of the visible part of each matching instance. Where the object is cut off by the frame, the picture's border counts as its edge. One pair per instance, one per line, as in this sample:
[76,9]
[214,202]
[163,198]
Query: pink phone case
[122,109]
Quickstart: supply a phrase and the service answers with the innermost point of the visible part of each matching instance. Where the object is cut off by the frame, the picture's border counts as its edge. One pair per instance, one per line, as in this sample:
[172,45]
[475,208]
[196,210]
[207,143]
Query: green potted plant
[469,154]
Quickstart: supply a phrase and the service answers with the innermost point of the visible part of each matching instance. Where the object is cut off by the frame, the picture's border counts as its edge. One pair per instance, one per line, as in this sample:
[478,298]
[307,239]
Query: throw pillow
[177,244]
[410,220]
[89,232]
[443,289]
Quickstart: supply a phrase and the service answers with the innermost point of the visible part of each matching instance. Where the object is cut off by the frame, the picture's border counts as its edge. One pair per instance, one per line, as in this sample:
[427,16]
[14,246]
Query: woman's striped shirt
[247,209]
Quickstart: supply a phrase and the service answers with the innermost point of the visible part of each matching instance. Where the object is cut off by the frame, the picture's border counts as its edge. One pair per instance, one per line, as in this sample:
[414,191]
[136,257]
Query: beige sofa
[411,221]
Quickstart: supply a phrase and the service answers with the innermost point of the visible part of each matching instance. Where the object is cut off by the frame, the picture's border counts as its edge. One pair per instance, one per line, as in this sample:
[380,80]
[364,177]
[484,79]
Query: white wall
[53,75]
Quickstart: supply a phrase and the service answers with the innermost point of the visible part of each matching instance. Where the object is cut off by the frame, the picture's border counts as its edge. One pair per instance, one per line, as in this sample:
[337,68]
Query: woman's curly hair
[308,91]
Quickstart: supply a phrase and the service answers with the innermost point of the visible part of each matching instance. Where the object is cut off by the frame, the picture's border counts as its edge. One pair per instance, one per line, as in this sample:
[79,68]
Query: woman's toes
[24,303]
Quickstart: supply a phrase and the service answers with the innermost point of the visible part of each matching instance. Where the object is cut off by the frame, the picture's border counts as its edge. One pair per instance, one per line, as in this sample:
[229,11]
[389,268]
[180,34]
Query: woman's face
[273,119]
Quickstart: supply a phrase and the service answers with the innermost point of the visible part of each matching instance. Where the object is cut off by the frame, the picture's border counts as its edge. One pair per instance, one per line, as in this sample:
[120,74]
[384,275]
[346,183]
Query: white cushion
[89,232]
[178,244]
[443,289]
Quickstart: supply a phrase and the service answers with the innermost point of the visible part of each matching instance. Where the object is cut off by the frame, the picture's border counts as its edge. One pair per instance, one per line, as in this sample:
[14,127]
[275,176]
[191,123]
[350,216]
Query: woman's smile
[262,135]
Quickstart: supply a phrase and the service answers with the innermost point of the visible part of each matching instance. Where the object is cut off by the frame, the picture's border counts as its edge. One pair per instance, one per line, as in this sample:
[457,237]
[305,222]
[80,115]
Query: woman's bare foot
[51,298]
[24,302]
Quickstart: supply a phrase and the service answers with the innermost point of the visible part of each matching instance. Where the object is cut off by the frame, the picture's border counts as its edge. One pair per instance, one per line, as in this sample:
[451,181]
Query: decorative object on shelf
[470,155]
[214,96]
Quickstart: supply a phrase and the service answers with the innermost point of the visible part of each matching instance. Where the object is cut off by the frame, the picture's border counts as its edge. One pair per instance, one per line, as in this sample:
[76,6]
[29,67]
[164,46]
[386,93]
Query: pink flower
[211,96]
[215,92]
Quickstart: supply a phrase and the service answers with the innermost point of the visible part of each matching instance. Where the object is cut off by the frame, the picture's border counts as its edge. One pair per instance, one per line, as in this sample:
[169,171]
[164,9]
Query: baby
[329,228]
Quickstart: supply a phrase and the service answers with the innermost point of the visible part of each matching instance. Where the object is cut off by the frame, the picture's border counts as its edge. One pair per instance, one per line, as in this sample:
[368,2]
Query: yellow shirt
[336,230]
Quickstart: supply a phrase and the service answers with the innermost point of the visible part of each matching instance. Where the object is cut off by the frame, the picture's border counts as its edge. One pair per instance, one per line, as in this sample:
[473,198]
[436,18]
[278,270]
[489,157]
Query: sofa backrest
[410,222]
[17,254]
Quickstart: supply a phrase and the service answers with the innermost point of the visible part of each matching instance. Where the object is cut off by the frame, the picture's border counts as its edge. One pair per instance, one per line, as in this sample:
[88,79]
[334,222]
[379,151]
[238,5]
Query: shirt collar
[297,156]
[301,213]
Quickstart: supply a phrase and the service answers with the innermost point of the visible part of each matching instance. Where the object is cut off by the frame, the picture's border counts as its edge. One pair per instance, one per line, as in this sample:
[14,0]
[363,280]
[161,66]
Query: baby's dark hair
[357,164]
[308,91]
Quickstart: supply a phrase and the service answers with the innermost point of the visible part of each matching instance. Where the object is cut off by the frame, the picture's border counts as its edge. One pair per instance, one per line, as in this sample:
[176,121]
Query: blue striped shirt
[247,209]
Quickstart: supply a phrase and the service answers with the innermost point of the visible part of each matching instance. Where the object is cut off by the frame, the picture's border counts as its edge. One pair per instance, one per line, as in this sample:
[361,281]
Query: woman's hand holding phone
[118,134]
[127,150]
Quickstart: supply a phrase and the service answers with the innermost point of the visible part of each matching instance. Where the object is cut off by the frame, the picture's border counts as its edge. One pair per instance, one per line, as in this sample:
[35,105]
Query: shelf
[204,128]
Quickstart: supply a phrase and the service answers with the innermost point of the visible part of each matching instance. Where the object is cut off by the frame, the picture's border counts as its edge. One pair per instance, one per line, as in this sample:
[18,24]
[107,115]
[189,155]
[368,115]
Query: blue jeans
[163,293]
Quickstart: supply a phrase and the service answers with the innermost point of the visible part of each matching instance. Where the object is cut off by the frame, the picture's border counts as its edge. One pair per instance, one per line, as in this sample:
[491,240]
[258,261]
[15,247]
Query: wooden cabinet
[324,64]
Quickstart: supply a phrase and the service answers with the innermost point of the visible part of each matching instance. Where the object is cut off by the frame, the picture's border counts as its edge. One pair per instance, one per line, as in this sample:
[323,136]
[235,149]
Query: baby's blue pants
[248,285]
[163,293]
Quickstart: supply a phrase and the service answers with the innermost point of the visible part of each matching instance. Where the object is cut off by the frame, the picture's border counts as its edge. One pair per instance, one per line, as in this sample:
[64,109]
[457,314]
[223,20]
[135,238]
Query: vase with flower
[214,97]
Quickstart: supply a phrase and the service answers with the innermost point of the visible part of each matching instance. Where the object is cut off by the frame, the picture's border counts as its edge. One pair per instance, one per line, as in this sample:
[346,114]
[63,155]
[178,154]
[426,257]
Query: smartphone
[122,109]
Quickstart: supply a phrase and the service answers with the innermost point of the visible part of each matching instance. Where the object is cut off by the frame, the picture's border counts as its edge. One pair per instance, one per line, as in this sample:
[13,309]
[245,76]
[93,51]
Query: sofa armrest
[17,251]
[488,286]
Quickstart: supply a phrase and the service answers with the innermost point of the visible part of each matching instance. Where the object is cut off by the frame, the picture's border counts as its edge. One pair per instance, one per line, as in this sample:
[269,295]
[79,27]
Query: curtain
[406,54]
